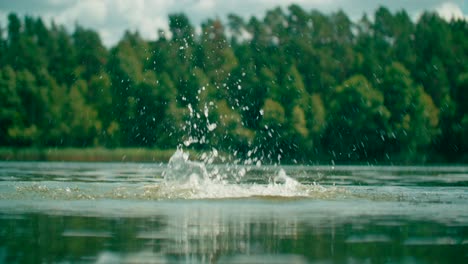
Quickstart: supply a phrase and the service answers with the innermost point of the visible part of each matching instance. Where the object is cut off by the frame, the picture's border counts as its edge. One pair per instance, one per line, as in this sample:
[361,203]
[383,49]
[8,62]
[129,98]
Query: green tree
[161,111]
[170,131]
[453,141]
[100,98]
[62,56]
[315,117]
[295,84]
[181,28]
[26,128]
[357,120]
[290,90]
[432,39]
[237,28]
[414,117]
[403,49]
[126,70]
[229,131]
[248,91]
[91,54]
[461,93]
[3,47]
[273,114]
[367,57]
[82,119]
[10,103]
[13,42]
[57,129]
[23,51]
[270,137]
[217,58]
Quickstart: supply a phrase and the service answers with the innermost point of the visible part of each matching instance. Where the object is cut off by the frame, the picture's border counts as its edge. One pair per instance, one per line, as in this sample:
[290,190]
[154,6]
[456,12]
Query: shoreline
[86,154]
[100,154]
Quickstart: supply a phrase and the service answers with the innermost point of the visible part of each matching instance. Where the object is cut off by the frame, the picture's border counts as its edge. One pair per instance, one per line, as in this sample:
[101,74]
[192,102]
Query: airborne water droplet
[211,127]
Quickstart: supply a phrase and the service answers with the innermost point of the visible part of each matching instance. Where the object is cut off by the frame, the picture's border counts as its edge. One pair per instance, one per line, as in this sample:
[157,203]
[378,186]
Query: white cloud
[205,5]
[450,11]
[143,15]
[111,17]
[88,11]
[58,2]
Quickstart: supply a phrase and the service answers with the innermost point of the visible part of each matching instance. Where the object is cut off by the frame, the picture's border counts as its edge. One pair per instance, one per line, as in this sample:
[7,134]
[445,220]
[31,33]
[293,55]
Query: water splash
[181,169]
[186,179]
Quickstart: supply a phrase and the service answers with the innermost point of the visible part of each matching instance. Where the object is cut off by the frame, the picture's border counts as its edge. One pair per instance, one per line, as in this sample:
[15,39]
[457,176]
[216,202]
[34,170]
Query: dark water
[127,213]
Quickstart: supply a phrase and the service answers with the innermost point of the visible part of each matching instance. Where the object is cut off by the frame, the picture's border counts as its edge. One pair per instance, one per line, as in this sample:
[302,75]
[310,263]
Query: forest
[294,86]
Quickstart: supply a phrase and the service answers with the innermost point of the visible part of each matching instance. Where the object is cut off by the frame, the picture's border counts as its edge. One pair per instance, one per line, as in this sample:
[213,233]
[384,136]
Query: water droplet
[211,127]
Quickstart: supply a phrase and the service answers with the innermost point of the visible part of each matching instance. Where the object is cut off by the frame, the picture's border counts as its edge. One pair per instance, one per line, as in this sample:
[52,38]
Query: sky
[110,18]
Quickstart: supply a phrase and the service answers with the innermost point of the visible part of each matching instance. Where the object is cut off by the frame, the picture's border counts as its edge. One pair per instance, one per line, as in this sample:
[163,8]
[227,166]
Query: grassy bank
[158,155]
[86,154]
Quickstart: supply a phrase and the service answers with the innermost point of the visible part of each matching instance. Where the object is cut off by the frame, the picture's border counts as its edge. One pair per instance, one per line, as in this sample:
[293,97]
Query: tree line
[295,85]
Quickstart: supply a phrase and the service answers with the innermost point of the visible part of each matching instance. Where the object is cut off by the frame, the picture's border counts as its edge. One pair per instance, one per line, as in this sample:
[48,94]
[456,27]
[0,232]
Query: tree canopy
[296,85]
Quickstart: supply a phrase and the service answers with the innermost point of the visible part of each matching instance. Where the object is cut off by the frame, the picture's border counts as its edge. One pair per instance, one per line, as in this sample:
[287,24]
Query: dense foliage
[296,85]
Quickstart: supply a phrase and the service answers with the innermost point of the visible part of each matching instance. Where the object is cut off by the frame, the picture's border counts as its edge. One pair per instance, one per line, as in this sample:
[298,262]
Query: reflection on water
[123,213]
[209,234]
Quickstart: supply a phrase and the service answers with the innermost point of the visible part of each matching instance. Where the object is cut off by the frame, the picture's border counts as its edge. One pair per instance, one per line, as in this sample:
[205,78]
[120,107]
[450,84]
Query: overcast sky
[112,17]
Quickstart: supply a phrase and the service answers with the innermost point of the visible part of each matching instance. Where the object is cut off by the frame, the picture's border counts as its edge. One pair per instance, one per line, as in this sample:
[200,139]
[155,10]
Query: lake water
[62,212]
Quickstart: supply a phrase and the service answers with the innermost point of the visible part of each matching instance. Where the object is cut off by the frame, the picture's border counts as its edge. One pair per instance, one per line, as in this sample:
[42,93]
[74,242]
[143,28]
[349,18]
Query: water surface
[157,213]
